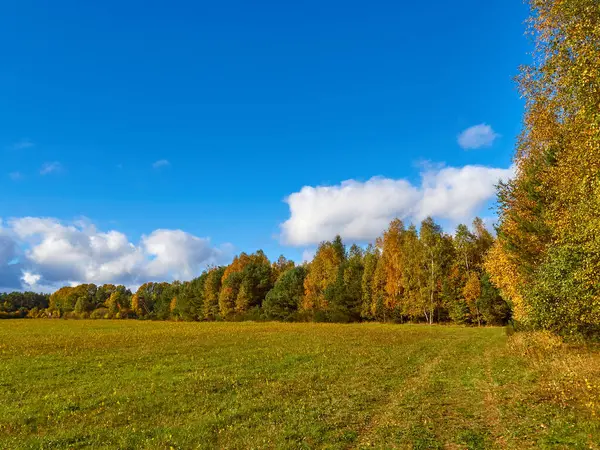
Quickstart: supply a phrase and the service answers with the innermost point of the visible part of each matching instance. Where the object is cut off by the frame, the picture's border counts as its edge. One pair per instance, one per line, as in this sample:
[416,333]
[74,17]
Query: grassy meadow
[138,384]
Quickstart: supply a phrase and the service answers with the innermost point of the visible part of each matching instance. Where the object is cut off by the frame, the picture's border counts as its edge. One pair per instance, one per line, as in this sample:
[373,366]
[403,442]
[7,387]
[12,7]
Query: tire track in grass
[387,369]
[441,406]
[492,409]
[384,414]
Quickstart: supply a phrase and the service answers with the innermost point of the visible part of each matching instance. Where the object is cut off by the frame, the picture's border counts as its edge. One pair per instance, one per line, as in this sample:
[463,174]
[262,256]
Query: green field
[136,384]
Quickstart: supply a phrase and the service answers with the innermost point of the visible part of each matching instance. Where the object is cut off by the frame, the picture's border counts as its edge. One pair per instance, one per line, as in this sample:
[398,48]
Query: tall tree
[212,287]
[190,300]
[152,300]
[482,243]
[102,294]
[66,298]
[285,298]
[466,273]
[392,264]
[414,275]
[14,301]
[280,266]
[119,301]
[323,272]
[494,309]
[550,212]
[257,280]
[231,283]
[464,243]
[346,303]
[472,295]
[433,248]
[370,260]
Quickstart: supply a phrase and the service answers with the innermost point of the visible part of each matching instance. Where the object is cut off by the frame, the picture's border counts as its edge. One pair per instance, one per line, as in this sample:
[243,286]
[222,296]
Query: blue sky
[245,104]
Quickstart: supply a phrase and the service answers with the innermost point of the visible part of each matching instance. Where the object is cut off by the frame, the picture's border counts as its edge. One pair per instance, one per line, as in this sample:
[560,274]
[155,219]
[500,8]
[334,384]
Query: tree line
[542,269]
[408,274]
[16,305]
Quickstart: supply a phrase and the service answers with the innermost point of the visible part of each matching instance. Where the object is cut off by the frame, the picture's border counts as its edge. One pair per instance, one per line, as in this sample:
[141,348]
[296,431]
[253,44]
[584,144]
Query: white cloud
[161,163]
[457,193]
[51,167]
[15,176]
[30,279]
[57,253]
[178,253]
[360,211]
[477,136]
[22,144]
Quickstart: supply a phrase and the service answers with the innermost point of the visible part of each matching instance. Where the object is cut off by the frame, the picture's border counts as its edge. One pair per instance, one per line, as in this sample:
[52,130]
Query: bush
[125,313]
[33,313]
[100,313]
[558,299]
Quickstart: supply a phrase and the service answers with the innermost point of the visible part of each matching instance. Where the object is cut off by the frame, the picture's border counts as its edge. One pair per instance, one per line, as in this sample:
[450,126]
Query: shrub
[99,313]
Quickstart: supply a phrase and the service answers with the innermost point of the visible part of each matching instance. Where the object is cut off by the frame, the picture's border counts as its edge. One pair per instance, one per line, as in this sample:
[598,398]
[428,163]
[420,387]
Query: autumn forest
[409,274]
[539,268]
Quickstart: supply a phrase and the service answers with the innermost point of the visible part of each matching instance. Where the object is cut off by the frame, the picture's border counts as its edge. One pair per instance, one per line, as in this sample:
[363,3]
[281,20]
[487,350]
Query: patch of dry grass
[569,373]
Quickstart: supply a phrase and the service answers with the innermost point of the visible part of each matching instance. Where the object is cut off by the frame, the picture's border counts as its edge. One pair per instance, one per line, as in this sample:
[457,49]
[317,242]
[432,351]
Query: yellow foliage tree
[392,264]
[549,231]
[322,273]
[231,282]
[472,294]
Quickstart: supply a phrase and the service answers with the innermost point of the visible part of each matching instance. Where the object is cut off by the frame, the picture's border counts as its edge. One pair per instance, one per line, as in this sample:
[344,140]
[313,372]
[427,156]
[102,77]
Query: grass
[135,384]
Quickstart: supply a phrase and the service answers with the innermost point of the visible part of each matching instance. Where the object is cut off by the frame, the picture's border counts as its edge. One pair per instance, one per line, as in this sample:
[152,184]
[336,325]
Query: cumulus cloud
[51,167]
[477,136]
[161,163]
[360,211]
[178,253]
[57,253]
[30,279]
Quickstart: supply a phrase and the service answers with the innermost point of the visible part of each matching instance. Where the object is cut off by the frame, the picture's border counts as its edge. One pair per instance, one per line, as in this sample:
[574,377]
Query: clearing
[137,384]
